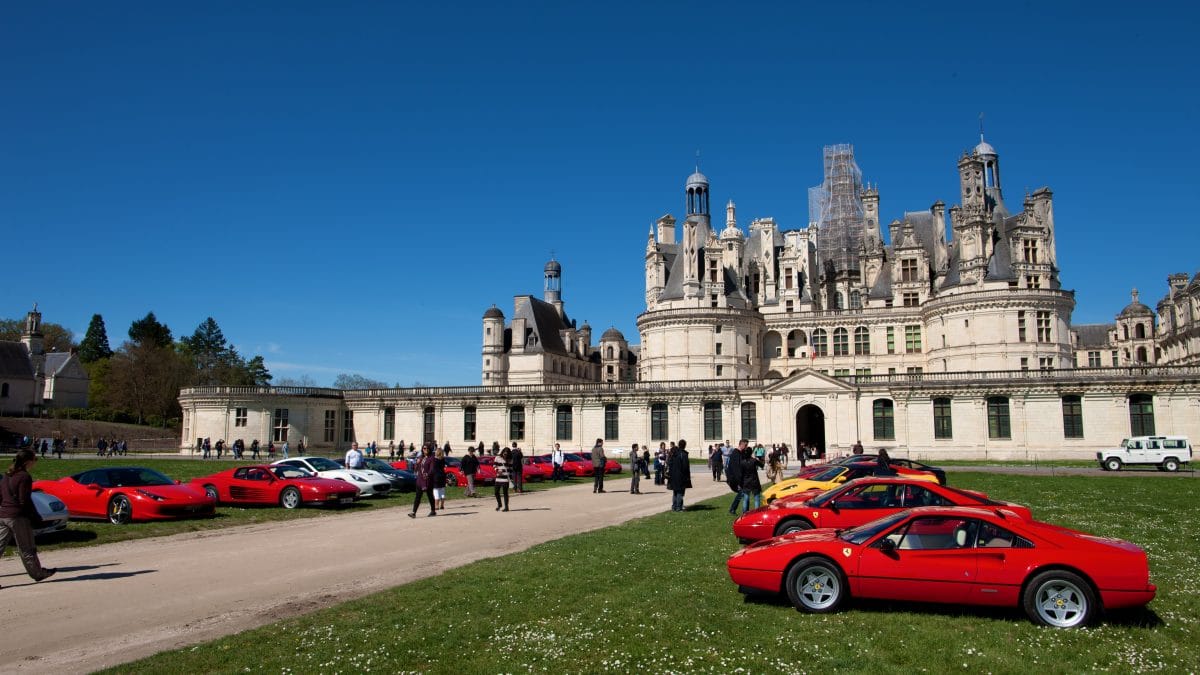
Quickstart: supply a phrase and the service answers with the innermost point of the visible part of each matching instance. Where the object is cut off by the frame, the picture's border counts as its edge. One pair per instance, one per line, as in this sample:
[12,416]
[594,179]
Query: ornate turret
[552,290]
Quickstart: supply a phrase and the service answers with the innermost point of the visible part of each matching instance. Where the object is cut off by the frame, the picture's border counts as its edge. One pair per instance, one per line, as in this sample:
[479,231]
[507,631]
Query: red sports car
[955,555]
[854,503]
[280,484]
[573,464]
[454,475]
[610,465]
[529,472]
[123,494]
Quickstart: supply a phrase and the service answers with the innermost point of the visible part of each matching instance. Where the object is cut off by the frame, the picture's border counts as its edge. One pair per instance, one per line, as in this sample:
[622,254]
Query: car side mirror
[887,546]
[177,482]
[833,505]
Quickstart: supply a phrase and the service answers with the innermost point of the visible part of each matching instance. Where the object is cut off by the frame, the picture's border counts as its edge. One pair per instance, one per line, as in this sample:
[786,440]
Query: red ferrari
[854,503]
[123,494]
[280,484]
[529,471]
[610,465]
[954,555]
[573,465]
[486,475]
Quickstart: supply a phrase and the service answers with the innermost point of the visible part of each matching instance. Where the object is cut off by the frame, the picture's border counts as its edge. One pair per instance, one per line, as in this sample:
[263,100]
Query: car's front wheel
[1112,464]
[289,498]
[793,525]
[211,491]
[451,480]
[816,585]
[1170,464]
[1059,599]
[120,510]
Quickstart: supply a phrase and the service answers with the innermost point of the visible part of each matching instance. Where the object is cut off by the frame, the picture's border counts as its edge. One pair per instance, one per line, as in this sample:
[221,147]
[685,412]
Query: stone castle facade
[929,344]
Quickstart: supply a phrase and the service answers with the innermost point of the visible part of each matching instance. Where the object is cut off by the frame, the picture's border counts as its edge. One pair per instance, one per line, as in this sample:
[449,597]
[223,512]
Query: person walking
[733,476]
[424,472]
[285,449]
[660,458]
[598,462]
[635,459]
[501,465]
[19,515]
[716,462]
[516,460]
[469,467]
[646,461]
[557,459]
[439,477]
[679,474]
[254,449]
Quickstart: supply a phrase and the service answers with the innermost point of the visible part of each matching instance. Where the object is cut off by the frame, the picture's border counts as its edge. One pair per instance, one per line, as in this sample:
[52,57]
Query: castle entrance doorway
[810,429]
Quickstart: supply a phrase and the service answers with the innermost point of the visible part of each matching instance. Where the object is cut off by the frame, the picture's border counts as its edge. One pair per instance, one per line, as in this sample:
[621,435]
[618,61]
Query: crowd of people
[237,449]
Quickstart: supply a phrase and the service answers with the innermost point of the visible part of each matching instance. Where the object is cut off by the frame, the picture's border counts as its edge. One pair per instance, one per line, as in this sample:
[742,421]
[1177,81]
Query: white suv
[1166,452]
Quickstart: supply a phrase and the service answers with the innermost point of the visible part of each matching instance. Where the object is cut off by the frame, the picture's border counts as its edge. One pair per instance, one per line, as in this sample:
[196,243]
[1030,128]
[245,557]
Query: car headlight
[359,479]
[151,495]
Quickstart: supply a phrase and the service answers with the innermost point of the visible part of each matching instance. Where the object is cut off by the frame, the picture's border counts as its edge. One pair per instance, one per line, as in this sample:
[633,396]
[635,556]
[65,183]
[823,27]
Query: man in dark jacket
[679,474]
[470,466]
[518,468]
[751,487]
[733,475]
[599,463]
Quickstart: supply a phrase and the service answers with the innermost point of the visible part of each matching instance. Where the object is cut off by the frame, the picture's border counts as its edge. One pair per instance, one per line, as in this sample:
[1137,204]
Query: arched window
[1139,331]
[841,342]
[855,300]
[862,340]
[795,340]
[516,423]
[1125,330]
[563,422]
[1141,415]
[712,420]
[837,300]
[609,351]
[772,345]
[998,422]
[883,418]
[749,421]
[658,422]
[1141,355]
[820,342]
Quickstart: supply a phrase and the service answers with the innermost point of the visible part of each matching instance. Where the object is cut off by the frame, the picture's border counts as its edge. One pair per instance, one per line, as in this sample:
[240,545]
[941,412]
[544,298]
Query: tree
[95,342]
[55,338]
[145,379]
[149,331]
[356,381]
[215,361]
[256,369]
[300,381]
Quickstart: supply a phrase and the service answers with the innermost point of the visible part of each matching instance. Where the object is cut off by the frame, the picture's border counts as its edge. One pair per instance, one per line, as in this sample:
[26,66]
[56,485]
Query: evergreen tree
[256,369]
[95,342]
[148,331]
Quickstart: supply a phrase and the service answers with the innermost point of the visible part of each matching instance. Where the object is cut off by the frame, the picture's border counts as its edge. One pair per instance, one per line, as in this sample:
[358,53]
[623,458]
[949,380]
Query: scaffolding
[835,206]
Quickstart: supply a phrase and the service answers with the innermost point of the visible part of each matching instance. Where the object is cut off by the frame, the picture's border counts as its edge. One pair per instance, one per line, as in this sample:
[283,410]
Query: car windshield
[378,465]
[286,471]
[1125,443]
[572,457]
[128,476]
[322,464]
[823,498]
[862,533]
[828,474]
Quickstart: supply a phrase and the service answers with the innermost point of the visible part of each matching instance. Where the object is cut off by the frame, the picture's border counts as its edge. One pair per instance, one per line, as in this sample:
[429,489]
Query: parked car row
[907,538]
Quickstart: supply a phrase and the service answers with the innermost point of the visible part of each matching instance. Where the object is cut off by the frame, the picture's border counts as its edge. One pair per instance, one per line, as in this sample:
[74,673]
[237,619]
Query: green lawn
[653,596]
[91,532]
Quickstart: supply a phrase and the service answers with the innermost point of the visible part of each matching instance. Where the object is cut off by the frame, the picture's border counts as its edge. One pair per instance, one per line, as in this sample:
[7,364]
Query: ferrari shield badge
[846,551]
[816,515]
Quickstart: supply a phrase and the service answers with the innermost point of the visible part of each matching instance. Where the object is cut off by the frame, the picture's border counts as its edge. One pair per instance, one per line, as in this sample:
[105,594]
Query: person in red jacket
[18,515]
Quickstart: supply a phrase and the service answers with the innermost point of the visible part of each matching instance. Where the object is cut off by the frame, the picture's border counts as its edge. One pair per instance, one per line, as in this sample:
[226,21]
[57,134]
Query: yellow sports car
[831,477]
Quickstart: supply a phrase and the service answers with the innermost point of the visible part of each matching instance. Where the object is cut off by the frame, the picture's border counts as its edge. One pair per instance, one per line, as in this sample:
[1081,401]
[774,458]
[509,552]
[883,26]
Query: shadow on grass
[67,536]
[699,507]
[1133,617]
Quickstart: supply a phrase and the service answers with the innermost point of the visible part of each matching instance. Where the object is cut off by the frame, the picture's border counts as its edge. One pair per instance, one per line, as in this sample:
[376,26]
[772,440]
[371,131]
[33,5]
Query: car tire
[1170,464]
[816,586]
[451,480]
[793,525]
[290,498]
[1059,599]
[211,491]
[1112,464]
[120,510]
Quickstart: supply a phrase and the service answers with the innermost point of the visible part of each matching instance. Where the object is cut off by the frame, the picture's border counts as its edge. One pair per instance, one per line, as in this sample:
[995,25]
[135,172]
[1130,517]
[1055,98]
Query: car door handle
[993,554]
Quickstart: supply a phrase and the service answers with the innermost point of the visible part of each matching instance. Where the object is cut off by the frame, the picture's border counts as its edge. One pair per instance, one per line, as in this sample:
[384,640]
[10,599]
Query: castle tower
[695,231]
[494,371]
[31,335]
[552,289]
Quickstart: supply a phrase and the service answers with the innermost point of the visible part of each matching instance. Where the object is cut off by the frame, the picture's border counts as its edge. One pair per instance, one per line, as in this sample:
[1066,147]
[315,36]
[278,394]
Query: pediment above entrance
[807,381]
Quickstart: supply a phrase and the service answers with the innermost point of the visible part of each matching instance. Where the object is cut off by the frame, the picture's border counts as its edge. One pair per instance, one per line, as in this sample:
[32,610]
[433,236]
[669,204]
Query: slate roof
[542,318]
[55,362]
[14,361]
[1092,334]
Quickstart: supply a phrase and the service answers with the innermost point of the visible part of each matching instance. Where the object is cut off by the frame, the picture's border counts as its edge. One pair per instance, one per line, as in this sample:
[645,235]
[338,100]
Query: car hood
[185,492]
[48,505]
[805,537]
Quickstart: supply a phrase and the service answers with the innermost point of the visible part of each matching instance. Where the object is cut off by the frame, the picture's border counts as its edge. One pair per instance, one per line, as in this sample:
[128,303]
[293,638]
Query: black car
[401,480]
[897,461]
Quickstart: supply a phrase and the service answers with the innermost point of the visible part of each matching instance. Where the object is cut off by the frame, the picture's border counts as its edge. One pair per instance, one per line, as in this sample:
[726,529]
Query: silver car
[52,510]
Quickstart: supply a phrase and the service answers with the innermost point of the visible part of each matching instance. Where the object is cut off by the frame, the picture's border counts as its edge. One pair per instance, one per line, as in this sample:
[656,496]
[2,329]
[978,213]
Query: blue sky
[346,187]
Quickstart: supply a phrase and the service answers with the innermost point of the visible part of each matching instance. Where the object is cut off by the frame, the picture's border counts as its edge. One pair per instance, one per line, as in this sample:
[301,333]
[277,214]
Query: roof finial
[552,254]
[980,127]
[1134,295]
[697,161]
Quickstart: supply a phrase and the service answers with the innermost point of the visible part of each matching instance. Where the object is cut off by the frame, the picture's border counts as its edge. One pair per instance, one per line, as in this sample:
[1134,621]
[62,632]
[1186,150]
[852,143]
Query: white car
[369,483]
[1165,452]
[52,510]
